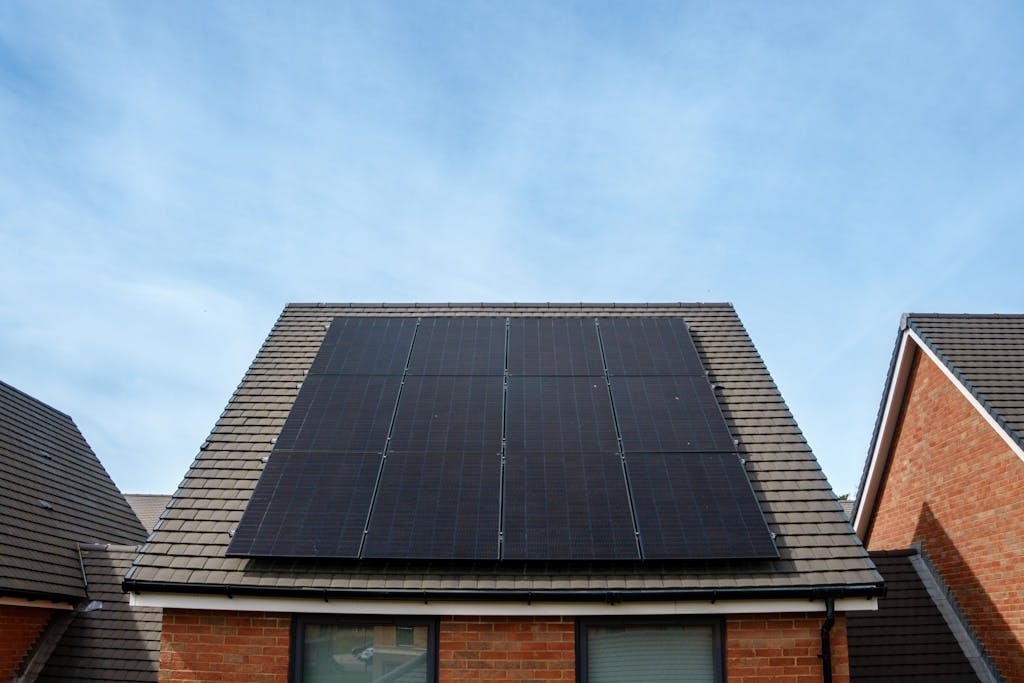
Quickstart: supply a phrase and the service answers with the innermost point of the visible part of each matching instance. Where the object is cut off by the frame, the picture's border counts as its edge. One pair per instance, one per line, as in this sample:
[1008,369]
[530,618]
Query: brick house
[946,470]
[67,537]
[245,563]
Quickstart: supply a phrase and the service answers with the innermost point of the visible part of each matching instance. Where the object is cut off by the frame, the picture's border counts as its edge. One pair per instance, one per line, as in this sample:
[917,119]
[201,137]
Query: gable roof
[983,355]
[54,495]
[148,507]
[917,631]
[186,552]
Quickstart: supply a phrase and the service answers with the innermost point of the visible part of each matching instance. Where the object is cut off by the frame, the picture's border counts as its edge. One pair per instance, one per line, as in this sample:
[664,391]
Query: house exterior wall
[954,486]
[254,646]
[761,648]
[19,629]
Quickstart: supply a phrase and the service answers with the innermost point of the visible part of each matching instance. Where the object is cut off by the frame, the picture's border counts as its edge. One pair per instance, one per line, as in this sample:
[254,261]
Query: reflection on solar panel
[459,346]
[696,506]
[365,346]
[436,437]
[554,346]
[567,506]
[669,414]
[649,346]
[432,506]
[308,505]
[341,413]
[449,415]
[559,415]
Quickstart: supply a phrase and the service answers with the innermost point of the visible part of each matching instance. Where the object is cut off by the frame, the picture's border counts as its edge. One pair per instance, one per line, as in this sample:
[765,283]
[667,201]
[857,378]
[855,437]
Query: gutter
[828,593]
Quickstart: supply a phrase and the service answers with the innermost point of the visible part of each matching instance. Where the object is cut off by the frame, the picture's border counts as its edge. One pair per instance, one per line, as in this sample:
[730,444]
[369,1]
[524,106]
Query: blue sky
[172,174]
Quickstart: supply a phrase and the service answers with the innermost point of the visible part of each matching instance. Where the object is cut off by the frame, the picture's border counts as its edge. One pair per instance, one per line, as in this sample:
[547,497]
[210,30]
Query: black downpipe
[826,641]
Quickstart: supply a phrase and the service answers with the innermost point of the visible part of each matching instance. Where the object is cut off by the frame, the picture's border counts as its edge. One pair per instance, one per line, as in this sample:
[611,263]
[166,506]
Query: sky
[172,174]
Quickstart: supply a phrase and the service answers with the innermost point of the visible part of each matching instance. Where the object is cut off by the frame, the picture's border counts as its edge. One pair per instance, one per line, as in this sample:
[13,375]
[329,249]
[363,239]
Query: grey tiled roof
[148,507]
[816,545]
[115,642]
[986,352]
[54,494]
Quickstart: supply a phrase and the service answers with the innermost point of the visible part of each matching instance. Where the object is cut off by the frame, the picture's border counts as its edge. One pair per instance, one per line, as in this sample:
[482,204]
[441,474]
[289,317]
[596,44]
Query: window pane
[364,654]
[650,654]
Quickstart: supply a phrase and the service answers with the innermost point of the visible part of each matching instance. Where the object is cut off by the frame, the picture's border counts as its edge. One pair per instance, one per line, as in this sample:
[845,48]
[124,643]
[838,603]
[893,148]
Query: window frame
[299,621]
[716,622]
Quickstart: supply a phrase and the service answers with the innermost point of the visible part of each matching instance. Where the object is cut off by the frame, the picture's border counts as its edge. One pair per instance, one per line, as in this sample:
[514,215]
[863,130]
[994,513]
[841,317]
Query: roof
[186,552]
[115,642]
[148,507]
[917,632]
[983,354]
[54,495]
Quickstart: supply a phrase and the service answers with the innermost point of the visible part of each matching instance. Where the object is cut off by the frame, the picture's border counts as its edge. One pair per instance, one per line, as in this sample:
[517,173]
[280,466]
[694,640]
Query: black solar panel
[559,415]
[554,346]
[341,413]
[459,346]
[669,415]
[567,506]
[365,346]
[449,415]
[697,506]
[308,505]
[436,506]
[649,346]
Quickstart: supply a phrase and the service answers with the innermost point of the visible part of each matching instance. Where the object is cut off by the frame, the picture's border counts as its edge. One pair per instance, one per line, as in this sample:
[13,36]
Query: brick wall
[19,628]
[764,648]
[955,486]
[224,646]
[507,649]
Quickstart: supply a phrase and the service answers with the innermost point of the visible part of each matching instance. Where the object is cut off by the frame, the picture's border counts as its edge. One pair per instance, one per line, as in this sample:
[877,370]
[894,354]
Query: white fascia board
[483,608]
[880,450]
[40,604]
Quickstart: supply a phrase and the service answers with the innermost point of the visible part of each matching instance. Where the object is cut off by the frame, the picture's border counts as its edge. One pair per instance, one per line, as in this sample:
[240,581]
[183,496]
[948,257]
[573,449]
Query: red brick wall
[765,648]
[224,646]
[507,649]
[955,486]
[19,628]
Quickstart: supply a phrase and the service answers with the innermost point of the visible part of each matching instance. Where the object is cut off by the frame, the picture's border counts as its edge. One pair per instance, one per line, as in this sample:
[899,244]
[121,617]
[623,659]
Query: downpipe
[826,640]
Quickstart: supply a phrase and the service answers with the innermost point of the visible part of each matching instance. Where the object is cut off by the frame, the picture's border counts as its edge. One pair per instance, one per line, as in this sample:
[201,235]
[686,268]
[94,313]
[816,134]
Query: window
[649,651]
[364,650]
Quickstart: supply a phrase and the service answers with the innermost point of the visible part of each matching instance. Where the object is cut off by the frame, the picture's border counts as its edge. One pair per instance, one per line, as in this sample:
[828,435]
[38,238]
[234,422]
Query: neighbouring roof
[986,353]
[916,633]
[148,507]
[817,549]
[54,495]
[114,642]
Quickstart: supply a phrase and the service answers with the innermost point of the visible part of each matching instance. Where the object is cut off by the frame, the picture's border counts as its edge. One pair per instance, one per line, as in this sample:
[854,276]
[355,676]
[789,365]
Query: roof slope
[54,494]
[816,544]
[148,507]
[115,642]
[908,638]
[986,353]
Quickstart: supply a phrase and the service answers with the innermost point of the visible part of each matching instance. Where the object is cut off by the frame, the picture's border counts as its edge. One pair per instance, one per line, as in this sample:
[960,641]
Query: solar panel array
[483,438]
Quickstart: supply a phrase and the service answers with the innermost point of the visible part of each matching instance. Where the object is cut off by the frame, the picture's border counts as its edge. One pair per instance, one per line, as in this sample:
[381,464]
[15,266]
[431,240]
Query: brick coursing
[764,648]
[954,485]
[19,629]
[224,646]
[524,649]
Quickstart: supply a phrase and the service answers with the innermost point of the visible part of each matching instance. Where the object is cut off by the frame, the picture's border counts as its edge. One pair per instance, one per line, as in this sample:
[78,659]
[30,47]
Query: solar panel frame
[459,346]
[649,346]
[432,506]
[341,413]
[308,505]
[559,414]
[554,346]
[697,506]
[585,504]
[669,414]
[448,414]
[365,346]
